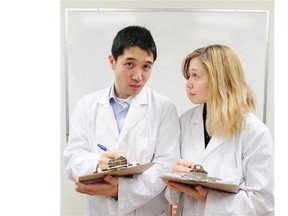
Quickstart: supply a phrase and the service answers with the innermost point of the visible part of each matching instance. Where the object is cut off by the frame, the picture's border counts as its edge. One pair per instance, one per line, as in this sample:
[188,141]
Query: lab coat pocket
[145,149]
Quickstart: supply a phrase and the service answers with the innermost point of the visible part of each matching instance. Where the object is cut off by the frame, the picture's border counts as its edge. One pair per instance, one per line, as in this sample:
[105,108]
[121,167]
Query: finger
[118,154]
[75,178]
[165,181]
[104,159]
[79,187]
[168,183]
[109,154]
[184,163]
[113,154]
[201,190]
[177,185]
[179,169]
[111,180]
[173,187]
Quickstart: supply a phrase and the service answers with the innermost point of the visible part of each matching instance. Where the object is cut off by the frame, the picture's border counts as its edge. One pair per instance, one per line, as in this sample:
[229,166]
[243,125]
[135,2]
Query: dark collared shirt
[206,135]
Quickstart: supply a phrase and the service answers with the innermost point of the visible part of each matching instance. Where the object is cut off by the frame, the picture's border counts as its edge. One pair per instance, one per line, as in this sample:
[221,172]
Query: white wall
[72,203]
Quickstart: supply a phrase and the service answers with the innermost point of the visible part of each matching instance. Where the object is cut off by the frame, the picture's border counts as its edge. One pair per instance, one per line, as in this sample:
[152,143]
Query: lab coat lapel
[136,112]
[107,115]
[214,143]
[197,133]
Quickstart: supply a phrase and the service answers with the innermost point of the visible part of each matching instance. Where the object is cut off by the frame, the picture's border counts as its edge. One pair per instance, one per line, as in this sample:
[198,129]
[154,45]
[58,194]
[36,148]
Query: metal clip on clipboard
[199,174]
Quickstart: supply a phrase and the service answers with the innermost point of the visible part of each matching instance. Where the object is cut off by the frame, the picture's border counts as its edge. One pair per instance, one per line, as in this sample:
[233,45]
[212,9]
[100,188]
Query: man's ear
[112,61]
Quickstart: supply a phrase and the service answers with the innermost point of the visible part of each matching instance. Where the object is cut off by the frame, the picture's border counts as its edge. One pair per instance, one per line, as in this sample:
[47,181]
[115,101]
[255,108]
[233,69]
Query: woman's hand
[182,167]
[197,192]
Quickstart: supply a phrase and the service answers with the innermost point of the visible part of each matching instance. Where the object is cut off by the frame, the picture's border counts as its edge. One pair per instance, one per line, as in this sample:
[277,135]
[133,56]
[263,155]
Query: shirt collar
[112,96]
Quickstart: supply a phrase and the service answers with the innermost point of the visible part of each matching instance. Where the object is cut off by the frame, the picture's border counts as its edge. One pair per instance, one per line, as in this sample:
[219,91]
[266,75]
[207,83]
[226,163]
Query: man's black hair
[133,36]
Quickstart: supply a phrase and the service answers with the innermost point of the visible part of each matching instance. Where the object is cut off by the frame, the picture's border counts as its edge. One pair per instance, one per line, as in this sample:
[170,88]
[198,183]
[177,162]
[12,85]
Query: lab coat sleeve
[256,195]
[78,155]
[133,193]
[172,196]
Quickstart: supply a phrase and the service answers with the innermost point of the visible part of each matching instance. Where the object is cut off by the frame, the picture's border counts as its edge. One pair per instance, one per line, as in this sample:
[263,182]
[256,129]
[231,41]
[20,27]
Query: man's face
[132,71]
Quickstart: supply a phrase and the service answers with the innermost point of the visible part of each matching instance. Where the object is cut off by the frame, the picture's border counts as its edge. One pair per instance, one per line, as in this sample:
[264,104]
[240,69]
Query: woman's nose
[189,84]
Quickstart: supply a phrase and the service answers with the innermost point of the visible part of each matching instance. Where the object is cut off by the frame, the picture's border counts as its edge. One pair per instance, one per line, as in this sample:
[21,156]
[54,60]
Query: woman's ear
[112,62]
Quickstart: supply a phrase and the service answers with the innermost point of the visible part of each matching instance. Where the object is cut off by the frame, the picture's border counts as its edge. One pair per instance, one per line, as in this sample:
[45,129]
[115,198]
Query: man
[129,119]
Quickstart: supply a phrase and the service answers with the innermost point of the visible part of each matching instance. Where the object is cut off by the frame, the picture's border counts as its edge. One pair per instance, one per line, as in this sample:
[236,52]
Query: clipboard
[211,184]
[127,172]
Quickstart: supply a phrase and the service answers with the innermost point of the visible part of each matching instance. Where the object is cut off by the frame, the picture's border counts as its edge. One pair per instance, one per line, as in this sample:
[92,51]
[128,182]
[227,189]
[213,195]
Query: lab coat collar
[105,97]
[197,116]
[198,133]
[136,112]
[108,114]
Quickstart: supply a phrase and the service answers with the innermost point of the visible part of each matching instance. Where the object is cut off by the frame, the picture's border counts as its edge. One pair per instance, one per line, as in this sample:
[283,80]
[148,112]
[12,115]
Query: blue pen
[102,147]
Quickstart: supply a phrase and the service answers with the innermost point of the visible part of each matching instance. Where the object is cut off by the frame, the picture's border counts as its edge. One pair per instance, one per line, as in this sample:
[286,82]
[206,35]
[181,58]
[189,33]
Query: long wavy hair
[230,98]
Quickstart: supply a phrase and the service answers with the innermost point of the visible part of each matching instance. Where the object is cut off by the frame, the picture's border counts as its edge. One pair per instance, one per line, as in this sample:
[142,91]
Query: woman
[222,135]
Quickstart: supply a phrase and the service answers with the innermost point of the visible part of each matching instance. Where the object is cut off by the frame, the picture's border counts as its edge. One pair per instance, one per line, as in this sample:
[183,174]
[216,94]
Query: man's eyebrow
[134,59]
[130,58]
[149,62]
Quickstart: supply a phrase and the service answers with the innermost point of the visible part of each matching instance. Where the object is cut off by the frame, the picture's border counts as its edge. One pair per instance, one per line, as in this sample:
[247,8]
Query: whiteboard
[177,32]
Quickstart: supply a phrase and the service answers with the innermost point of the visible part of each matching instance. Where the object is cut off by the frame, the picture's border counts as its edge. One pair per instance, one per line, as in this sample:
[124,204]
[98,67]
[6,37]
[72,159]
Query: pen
[102,147]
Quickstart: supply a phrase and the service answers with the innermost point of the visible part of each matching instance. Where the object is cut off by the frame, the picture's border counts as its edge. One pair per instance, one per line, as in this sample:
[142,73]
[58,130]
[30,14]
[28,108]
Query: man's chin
[135,92]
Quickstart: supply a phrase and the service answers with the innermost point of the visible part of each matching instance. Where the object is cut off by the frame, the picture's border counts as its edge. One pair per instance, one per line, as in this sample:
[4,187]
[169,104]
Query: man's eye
[129,65]
[147,67]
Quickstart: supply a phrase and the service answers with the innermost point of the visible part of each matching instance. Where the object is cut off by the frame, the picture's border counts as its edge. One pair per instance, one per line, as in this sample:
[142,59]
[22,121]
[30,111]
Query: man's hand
[106,156]
[107,187]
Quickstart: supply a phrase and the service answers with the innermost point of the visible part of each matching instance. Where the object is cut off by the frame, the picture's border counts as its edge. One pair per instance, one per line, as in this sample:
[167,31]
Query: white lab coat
[246,159]
[150,132]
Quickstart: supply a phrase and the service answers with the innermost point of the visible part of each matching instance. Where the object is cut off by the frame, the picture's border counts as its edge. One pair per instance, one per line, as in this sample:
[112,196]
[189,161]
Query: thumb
[201,190]
[111,180]
[75,178]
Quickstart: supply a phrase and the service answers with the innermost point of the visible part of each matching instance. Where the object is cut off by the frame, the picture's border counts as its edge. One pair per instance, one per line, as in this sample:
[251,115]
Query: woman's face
[197,84]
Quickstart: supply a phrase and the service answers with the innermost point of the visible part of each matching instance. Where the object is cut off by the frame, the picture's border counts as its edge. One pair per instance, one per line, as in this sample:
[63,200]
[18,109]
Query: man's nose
[137,75]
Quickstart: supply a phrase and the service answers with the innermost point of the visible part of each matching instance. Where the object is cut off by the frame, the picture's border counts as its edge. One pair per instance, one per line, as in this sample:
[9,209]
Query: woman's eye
[195,75]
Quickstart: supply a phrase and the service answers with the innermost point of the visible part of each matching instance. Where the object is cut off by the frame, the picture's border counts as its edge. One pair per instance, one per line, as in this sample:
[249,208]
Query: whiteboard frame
[66,60]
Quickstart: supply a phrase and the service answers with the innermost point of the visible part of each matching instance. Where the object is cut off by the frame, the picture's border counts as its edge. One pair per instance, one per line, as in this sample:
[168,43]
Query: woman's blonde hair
[229,98]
